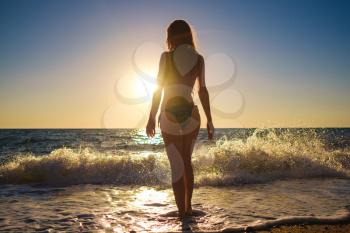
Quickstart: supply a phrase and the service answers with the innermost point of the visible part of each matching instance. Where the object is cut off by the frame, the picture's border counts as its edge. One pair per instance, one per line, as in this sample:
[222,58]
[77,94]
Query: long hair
[179,32]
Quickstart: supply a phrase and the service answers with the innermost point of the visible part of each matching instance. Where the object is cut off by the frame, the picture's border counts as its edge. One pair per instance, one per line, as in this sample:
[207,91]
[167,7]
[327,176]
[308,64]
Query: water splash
[266,155]
[269,154]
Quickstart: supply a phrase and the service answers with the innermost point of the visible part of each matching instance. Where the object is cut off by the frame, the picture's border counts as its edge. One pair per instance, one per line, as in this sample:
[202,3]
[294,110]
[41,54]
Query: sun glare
[143,88]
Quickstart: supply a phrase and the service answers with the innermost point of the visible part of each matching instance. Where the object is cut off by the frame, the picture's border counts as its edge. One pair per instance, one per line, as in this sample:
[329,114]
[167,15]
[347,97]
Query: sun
[143,88]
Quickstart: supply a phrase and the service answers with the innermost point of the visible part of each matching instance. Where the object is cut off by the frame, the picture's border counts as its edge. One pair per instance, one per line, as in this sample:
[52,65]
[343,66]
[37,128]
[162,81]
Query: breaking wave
[266,155]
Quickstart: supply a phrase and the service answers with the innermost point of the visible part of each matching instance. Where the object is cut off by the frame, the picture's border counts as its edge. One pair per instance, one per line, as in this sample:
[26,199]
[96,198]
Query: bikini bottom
[179,119]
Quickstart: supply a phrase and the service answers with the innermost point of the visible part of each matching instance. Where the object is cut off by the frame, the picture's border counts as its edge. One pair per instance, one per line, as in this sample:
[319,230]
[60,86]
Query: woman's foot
[182,215]
[188,212]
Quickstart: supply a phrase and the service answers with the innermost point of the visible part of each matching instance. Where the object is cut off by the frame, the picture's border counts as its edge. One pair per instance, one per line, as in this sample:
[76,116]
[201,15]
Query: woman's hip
[175,124]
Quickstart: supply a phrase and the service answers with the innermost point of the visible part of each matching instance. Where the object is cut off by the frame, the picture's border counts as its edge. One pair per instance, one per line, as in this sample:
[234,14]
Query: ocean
[118,180]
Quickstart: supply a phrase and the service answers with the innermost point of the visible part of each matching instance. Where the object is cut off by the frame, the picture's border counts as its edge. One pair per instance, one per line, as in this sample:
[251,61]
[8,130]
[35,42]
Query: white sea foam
[269,155]
[264,156]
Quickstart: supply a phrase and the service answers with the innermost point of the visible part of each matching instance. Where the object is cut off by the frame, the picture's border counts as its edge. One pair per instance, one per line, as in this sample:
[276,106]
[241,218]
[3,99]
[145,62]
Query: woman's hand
[151,127]
[210,129]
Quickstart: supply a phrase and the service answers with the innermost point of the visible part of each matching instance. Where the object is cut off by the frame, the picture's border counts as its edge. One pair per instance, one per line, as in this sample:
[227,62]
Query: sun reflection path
[153,203]
[140,137]
[151,198]
[137,209]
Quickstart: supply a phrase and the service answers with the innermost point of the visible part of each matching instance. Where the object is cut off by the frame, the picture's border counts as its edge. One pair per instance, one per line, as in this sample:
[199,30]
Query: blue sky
[292,56]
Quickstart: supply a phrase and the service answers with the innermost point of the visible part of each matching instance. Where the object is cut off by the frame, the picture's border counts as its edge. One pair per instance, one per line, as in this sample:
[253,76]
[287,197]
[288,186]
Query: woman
[179,118]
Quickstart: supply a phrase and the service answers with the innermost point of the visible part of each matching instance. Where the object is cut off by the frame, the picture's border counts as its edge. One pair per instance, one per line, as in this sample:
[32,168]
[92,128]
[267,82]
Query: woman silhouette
[179,118]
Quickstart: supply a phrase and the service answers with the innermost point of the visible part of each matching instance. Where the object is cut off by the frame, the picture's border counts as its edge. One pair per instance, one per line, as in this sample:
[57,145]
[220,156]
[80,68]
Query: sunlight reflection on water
[150,197]
[145,208]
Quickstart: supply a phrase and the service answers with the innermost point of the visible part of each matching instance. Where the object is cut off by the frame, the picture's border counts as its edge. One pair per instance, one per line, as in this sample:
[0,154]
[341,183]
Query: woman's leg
[174,149]
[188,145]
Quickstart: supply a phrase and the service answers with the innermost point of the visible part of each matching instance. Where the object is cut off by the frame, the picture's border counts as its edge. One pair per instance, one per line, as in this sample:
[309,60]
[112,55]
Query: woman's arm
[151,124]
[204,97]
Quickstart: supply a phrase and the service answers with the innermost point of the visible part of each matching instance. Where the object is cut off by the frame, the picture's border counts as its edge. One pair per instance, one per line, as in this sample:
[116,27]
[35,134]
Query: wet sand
[319,228]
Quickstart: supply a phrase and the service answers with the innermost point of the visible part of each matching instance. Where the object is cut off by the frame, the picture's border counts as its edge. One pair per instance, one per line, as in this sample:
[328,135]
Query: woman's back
[182,67]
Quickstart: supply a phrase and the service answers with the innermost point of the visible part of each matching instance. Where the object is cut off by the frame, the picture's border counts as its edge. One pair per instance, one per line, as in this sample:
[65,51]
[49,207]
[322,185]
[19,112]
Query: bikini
[181,110]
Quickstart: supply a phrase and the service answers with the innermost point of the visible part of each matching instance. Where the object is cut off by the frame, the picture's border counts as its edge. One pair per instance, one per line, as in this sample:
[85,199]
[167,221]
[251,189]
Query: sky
[92,64]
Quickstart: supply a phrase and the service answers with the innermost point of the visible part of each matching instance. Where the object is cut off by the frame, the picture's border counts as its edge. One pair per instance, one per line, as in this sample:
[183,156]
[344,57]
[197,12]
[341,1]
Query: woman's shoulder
[200,59]
[200,56]
[166,54]
[163,57]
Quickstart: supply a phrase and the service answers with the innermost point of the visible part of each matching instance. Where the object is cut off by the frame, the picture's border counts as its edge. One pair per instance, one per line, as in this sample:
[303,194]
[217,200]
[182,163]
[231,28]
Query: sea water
[118,180]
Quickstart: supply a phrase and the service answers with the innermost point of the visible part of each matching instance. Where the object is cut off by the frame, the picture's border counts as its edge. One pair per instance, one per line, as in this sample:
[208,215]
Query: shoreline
[331,226]
[343,227]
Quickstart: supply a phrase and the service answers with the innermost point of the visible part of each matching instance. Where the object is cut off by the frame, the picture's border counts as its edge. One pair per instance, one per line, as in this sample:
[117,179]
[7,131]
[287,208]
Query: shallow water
[145,208]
